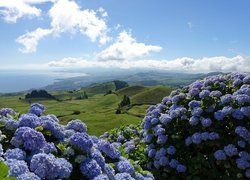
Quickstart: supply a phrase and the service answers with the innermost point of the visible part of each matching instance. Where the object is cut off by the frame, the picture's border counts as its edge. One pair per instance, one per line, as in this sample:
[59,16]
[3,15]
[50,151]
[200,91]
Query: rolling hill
[98,108]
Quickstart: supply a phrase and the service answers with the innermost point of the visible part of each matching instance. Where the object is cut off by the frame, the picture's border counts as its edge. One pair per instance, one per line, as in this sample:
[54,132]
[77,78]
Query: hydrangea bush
[201,130]
[128,139]
[35,146]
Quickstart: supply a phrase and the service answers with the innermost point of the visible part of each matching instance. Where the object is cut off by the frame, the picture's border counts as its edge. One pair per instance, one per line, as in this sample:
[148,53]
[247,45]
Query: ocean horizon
[16,81]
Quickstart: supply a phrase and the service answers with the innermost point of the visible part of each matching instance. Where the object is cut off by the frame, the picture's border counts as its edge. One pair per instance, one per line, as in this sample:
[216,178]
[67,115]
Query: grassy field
[98,111]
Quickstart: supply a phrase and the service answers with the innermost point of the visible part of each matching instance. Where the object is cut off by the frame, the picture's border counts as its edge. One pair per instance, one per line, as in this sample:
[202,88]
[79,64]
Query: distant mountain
[147,78]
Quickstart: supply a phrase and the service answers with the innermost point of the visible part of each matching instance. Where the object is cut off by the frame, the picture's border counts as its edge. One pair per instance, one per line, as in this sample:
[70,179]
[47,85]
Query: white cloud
[185,64]
[30,39]
[126,48]
[67,16]
[12,10]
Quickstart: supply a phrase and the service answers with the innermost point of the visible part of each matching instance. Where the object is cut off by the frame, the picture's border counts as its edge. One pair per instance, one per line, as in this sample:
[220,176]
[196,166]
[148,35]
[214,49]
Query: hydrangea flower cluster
[128,140]
[36,146]
[208,119]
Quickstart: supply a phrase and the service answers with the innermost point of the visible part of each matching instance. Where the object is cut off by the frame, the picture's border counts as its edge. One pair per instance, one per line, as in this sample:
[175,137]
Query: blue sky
[181,35]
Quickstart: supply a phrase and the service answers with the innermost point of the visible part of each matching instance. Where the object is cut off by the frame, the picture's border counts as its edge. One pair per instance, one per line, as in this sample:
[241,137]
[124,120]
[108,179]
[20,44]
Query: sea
[16,81]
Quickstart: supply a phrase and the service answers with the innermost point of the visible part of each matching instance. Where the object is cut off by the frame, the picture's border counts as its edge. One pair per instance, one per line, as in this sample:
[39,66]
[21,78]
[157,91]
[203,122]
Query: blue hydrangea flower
[192,104]
[242,163]
[123,176]
[101,177]
[29,120]
[227,98]
[215,94]
[28,176]
[197,111]
[193,121]
[17,154]
[173,163]
[125,167]
[48,166]
[7,111]
[108,149]
[181,168]
[245,111]
[171,150]
[230,150]
[97,155]
[194,91]
[81,141]
[90,168]
[162,139]
[188,141]
[196,138]
[163,161]
[165,119]
[204,93]
[36,109]
[77,125]
[56,129]
[17,167]
[154,121]
[219,115]
[227,110]
[241,144]
[29,138]
[11,124]
[220,155]
[237,114]
[109,171]
[206,122]
[213,136]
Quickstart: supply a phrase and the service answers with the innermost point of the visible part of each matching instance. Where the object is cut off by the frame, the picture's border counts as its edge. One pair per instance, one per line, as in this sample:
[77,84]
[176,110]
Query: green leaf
[4,170]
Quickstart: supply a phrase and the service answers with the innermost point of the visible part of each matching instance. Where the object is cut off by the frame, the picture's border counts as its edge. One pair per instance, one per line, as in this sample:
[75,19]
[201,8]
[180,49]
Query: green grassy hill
[98,111]
[153,95]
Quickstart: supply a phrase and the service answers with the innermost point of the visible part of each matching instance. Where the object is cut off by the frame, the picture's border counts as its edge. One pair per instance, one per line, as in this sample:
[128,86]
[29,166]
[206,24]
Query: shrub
[37,147]
[201,130]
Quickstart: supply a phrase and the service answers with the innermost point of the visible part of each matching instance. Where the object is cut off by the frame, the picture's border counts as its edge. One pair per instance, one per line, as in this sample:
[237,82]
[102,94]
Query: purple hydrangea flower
[194,91]
[162,139]
[173,163]
[196,138]
[28,176]
[163,161]
[90,168]
[17,167]
[237,114]
[123,176]
[81,141]
[171,150]
[48,166]
[16,153]
[204,93]
[206,122]
[29,120]
[230,150]
[125,167]
[181,168]
[220,155]
[36,109]
[77,125]
[108,149]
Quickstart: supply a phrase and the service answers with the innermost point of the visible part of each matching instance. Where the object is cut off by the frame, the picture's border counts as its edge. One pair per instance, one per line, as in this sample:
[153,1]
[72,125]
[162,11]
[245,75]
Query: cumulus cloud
[185,64]
[11,10]
[30,39]
[126,48]
[67,16]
